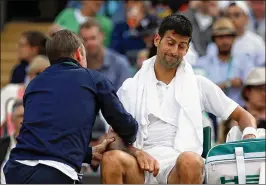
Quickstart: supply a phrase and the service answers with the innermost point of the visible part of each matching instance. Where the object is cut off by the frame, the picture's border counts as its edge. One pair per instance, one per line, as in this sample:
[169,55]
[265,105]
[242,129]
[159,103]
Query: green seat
[206,141]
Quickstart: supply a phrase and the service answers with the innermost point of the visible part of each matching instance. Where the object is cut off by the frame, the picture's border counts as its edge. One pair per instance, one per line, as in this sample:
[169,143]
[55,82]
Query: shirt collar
[66,60]
[106,59]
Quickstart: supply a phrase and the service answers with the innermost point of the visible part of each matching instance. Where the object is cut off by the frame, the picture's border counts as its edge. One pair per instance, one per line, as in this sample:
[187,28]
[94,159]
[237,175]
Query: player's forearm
[244,118]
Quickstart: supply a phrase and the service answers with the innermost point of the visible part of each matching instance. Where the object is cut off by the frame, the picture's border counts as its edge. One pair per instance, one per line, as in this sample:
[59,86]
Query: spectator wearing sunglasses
[254,45]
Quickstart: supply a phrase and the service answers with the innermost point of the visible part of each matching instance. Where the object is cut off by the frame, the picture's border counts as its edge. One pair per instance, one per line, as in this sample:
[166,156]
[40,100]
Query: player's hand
[249,136]
[147,162]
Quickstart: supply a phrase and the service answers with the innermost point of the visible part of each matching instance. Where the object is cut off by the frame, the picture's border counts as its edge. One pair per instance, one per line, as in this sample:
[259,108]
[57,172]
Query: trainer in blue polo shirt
[60,108]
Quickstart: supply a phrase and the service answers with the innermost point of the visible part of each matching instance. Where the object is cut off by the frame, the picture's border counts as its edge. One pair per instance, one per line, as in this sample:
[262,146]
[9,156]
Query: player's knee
[190,160]
[114,158]
[111,157]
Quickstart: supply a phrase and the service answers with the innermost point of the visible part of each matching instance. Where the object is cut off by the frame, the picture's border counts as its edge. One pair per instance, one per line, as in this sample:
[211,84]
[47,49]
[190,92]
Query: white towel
[134,93]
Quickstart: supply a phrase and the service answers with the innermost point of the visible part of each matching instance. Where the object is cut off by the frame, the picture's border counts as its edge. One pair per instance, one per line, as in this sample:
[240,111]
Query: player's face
[171,48]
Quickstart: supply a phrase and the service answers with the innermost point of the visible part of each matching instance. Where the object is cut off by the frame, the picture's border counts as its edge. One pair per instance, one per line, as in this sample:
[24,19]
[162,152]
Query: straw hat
[223,26]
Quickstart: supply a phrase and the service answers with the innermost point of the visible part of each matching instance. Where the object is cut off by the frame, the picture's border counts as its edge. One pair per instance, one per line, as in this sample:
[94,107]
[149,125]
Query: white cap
[241,4]
[256,77]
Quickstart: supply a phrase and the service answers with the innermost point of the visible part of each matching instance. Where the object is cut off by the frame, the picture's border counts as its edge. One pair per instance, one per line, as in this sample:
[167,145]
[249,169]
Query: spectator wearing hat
[254,45]
[254,94]
[227,71]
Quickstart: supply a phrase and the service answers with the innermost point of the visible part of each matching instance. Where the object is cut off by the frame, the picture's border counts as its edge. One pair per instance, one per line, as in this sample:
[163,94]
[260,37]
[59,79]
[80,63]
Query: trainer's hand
[118,144]
[147,162]
[98,150]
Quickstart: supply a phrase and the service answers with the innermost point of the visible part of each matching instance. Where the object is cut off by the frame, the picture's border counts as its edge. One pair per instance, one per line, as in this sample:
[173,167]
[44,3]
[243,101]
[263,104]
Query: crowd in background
[228,47]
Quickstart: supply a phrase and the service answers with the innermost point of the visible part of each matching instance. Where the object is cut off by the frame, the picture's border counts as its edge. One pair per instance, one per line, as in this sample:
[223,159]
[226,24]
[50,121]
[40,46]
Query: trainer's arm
[94,154]
[113,111]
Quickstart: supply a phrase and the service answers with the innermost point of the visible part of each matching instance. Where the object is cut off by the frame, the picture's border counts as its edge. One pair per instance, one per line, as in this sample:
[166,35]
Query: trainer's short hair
[62,43]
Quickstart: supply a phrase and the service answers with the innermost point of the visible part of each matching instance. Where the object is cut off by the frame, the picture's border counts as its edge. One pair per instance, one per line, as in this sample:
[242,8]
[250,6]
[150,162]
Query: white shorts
[166,156]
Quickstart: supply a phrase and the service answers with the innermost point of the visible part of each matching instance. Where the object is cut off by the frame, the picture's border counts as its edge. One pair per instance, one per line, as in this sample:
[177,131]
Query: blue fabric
[114,9]
[116,68]
[17,173]
[19,72]
[217,72]
[61,105]
[125,42]
[74,4]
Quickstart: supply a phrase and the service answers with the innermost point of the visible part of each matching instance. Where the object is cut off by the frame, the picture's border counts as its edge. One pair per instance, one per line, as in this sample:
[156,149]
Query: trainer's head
[66,44]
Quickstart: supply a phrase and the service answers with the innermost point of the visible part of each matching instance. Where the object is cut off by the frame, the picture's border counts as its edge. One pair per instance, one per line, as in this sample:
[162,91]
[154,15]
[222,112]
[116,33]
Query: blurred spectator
[147,29]
[31,44]
[9,142]
[254,45]
[72,18]
[74,4]
[227,71]
[16,91]
[112,64]
[257,17]
[110,8]
[202,17]
[113,9]
[222,5]
[254,94]
[142,55]
[126,38]
[161,8]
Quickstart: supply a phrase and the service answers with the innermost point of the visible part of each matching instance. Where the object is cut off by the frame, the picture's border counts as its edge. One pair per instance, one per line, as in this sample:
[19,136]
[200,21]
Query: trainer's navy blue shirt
[61,104]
